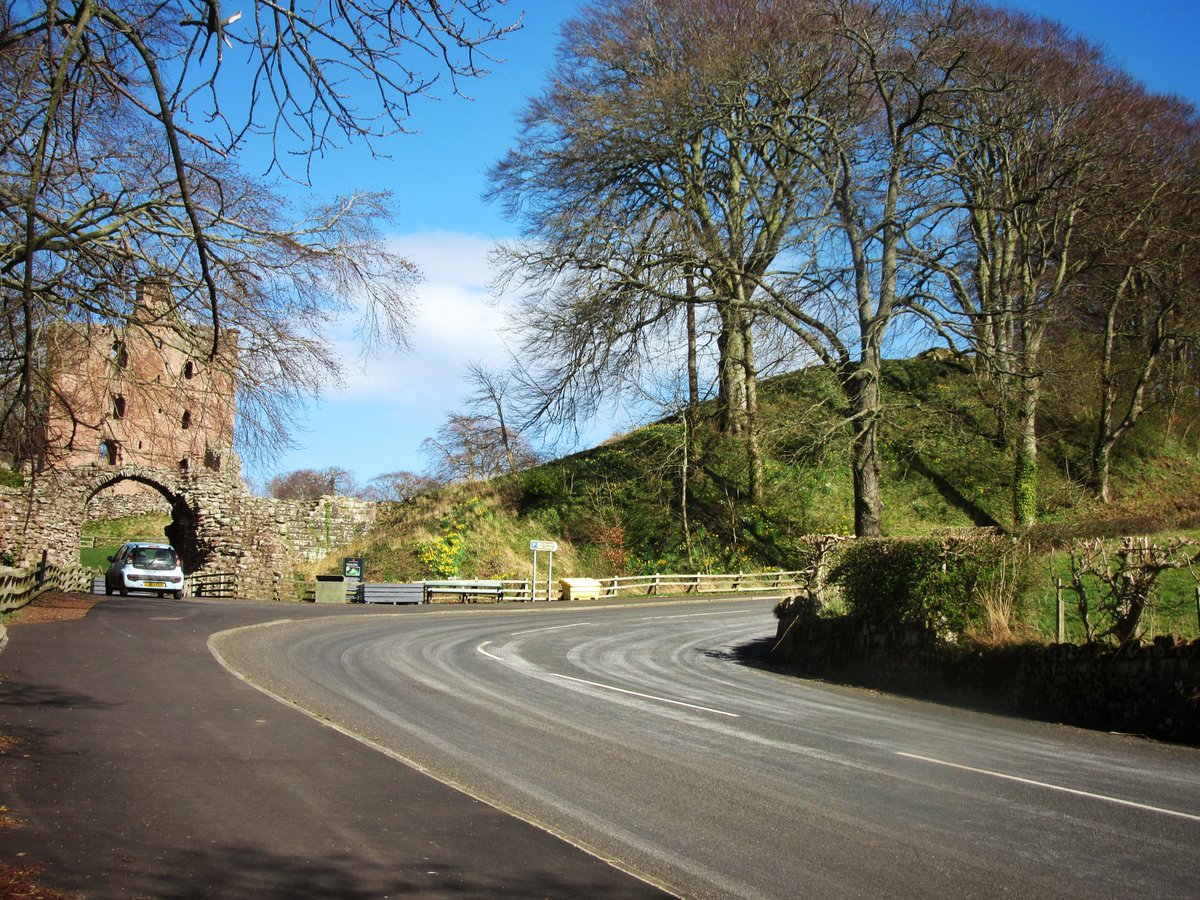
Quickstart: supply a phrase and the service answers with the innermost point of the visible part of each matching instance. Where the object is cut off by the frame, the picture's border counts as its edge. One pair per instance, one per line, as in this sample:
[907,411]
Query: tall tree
[1143,292]
[654,173]
[472,448]
[867,259]
[1025,147]
[491,399]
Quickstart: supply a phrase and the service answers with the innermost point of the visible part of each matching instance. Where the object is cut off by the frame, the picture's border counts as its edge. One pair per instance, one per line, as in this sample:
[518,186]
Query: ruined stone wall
[313,528]
[151,394]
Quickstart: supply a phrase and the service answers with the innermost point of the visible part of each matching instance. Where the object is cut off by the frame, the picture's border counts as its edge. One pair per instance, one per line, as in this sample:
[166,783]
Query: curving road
[633,732]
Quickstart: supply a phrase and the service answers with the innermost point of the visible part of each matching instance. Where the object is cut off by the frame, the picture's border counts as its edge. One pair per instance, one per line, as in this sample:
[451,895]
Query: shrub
[443,556]
[938,584]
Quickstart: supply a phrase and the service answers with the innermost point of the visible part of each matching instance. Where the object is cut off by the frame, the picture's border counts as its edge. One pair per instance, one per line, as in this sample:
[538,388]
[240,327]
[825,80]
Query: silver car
[144,566]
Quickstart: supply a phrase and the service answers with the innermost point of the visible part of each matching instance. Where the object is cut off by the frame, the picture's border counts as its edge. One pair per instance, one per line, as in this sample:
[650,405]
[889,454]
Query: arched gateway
[217,526]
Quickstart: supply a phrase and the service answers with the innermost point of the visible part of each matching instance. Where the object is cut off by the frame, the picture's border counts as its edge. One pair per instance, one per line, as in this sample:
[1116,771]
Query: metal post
[549,575]
[533,580]
[1060,611]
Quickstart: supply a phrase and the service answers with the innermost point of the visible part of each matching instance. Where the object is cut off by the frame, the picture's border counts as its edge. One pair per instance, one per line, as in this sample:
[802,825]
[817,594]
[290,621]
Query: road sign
[543,546]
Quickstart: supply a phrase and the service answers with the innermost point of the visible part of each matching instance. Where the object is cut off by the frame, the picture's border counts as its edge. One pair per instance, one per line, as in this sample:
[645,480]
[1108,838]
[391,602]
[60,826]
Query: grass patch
[110,534]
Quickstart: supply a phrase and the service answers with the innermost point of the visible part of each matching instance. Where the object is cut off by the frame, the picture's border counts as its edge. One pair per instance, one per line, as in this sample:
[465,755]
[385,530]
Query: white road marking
[609,687]
[1053,787]
[550,628]
[482,648]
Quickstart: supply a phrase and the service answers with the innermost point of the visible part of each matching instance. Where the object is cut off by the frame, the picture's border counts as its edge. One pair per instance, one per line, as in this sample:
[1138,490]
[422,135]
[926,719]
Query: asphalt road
[134,765]
[634,732]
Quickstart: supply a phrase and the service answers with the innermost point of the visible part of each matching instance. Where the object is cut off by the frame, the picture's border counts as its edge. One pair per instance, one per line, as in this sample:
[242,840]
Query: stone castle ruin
[156,393]
[140,420]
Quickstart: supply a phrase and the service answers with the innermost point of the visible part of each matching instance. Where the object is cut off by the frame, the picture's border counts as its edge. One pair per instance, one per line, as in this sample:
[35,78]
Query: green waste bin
[330,589]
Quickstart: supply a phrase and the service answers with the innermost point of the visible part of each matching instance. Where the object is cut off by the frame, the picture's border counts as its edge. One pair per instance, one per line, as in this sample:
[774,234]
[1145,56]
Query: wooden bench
[466,591]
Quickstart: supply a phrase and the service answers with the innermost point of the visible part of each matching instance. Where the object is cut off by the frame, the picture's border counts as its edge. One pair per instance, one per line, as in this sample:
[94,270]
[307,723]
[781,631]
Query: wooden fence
[19,587]
[474,591]
[742,582]
[668,584]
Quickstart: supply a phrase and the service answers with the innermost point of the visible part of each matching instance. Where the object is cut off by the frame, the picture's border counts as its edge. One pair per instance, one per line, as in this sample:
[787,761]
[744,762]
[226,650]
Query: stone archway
[155,499]
[218,526]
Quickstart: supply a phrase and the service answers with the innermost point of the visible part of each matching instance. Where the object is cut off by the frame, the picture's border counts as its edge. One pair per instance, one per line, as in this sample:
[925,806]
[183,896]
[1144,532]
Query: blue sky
[376,420]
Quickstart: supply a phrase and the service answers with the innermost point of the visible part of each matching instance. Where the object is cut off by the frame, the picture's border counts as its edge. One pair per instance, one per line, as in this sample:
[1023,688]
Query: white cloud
[455,321]
[375,421]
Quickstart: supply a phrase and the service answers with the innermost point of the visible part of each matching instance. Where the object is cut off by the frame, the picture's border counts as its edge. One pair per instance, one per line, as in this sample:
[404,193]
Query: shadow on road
[17,693]
[237,871]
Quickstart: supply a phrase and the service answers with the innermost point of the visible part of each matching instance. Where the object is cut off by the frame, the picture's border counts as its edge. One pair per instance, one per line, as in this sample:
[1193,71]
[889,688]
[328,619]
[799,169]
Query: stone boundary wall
[312,529]
[1152,690]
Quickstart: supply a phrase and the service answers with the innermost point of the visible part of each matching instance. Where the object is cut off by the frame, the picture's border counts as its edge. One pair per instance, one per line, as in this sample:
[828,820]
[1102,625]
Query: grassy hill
[619,508]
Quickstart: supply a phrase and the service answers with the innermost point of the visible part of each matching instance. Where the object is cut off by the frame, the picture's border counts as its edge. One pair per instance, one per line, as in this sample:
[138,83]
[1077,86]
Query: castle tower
[148,394]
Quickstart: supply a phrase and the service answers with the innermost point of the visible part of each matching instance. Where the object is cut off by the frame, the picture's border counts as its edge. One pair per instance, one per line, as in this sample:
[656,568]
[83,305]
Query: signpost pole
[533,579]
[548,547]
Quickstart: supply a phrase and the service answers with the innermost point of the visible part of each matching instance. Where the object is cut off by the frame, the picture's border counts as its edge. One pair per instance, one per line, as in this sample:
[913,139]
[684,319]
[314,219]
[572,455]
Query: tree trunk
[693,363]
[731,397]
[1102,448]
[1025,462]
[863,392]
[753,447]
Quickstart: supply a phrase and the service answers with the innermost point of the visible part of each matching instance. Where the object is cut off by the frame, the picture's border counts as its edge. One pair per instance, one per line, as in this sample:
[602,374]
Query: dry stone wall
[1152,690]
[218,526]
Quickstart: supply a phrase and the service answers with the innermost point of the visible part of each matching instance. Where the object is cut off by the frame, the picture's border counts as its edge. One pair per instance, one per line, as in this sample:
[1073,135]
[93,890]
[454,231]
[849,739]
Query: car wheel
[124,591]
[108,589]
[178,595]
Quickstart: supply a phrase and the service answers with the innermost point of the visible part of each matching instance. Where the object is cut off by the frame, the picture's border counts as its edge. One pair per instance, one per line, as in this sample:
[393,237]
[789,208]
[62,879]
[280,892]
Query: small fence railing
[497,590]
[217,585]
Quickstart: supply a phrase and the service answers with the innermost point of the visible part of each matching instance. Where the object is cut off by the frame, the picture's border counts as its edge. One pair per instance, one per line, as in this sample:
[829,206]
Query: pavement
[133,765]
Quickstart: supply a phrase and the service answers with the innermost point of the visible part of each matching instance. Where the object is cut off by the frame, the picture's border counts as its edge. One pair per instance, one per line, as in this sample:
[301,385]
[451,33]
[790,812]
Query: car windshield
[153,558]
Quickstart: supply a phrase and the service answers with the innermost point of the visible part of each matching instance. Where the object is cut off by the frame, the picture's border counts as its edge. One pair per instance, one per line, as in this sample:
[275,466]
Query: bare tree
[119,126]
[1143,291]
[1025,145]
[655,174]
[1120,583]
[398,487]
[312,484]
[490,399]
[470,448]
[867,259]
